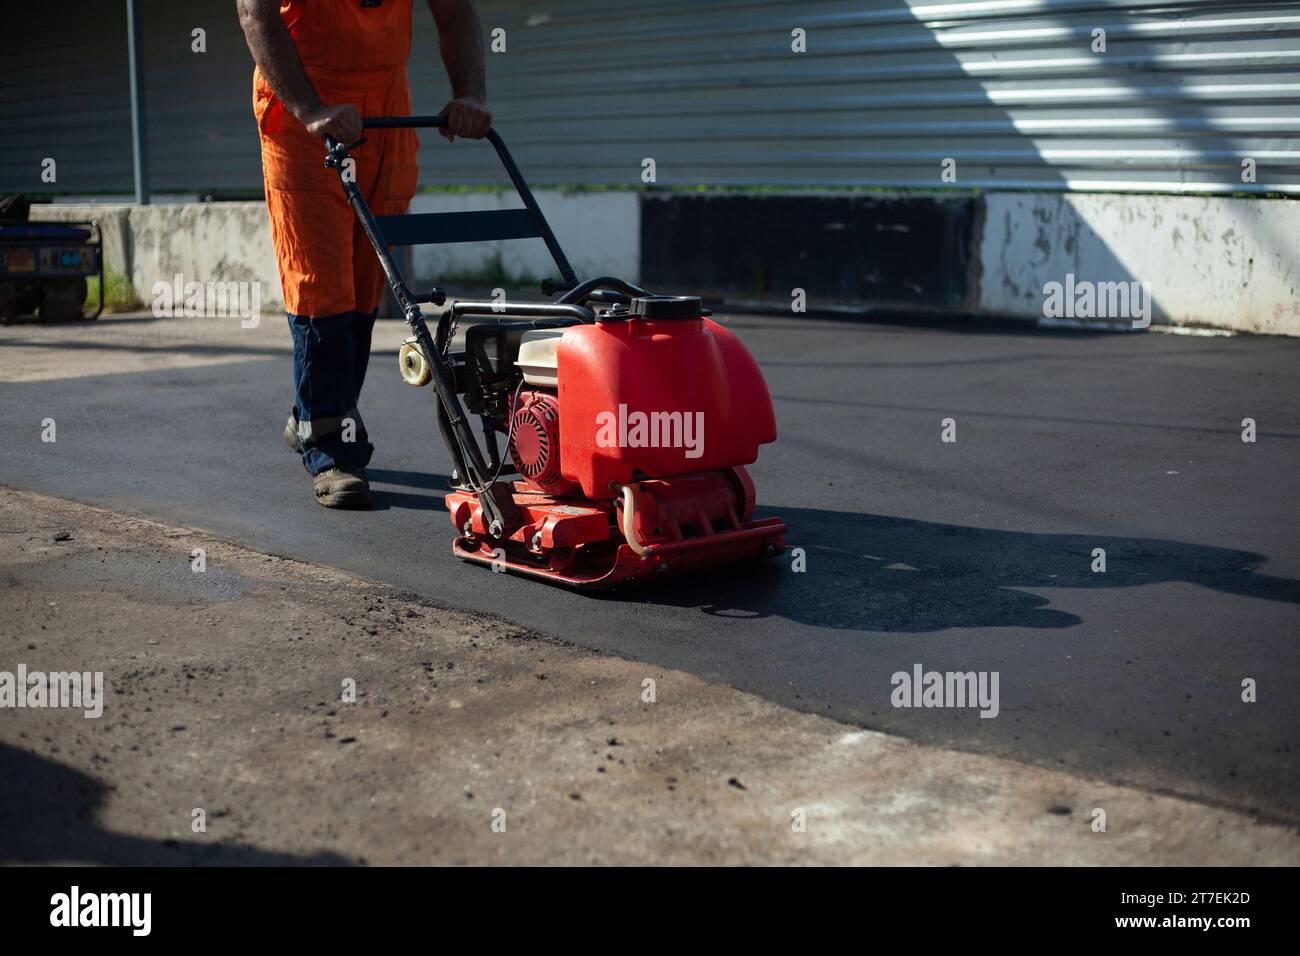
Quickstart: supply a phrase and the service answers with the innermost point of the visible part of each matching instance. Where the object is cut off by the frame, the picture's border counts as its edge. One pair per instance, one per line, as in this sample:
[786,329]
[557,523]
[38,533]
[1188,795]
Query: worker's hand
[467,116]
[343,122]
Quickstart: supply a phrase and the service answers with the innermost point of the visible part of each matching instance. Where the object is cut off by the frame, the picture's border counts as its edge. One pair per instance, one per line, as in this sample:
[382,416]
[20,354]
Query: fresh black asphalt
[970,555]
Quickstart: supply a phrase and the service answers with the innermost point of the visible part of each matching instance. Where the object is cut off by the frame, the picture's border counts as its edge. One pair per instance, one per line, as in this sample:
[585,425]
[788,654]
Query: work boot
[291,434]
[343,486]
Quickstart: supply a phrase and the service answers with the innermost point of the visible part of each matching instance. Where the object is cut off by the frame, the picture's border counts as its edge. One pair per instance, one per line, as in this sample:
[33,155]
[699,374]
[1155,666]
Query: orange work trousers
[327,266]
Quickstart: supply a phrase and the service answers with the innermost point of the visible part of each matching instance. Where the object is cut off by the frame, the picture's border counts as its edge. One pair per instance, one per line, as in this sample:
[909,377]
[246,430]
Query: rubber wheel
[415,370]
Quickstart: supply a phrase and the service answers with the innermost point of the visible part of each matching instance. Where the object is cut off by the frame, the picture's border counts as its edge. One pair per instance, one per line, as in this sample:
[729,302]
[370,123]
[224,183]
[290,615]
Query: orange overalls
[353,52]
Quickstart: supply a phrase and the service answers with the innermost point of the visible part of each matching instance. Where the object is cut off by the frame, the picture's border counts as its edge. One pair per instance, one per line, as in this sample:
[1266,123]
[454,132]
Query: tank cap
[667,307]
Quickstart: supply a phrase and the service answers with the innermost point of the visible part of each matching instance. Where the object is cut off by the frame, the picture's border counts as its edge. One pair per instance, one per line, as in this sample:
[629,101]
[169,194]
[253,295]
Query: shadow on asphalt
[384,499]
[411,479]
[886,574]
[48,811]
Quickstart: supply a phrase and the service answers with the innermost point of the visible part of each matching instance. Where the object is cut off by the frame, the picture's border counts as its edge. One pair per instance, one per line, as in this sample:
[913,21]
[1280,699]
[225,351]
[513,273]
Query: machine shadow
[902,575]
[48,815]
[410,479]
[384,499]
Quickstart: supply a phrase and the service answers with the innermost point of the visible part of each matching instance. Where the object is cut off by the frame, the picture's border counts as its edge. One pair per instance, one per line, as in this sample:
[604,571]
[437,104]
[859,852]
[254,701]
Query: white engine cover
[537,357]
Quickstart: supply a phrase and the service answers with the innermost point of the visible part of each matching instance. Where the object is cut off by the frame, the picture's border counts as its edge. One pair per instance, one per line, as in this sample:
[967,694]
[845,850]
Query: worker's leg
[330,429]
[311,227]
[363,327]
[368,283]
[386,175]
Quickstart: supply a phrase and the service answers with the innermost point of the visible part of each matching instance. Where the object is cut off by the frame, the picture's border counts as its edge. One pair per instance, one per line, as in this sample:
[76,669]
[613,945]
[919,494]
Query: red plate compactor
[627,418]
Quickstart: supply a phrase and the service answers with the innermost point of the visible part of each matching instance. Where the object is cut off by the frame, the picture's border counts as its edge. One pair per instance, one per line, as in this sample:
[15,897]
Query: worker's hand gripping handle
[336,152]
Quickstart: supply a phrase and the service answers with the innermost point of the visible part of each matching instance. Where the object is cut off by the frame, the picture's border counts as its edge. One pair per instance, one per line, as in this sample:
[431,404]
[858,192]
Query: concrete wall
[1226,263]
[203,242]
[231,241]
[1217,262]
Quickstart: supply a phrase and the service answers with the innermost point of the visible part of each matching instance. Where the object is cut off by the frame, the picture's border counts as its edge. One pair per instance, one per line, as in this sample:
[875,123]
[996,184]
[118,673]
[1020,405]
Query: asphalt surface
[973,555]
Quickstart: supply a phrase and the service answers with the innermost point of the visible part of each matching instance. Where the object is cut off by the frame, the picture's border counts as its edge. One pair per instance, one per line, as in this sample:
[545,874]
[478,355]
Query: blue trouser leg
[362,329]
[330,354]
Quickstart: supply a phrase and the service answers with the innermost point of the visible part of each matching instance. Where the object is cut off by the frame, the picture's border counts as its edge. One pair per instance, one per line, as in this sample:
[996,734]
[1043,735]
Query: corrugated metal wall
[712,91]
[65,94]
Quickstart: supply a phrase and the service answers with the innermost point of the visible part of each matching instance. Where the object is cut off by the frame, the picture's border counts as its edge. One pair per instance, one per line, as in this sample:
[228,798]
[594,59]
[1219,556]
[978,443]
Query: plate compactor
[627,418]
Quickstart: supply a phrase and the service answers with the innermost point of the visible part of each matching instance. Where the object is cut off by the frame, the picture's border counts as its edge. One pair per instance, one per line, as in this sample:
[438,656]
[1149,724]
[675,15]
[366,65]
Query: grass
[493,274]
[119,293]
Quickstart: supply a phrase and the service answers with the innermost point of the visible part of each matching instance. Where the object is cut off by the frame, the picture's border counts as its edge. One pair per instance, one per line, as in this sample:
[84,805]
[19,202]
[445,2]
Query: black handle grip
[337,153]
[402,122]
[391,122]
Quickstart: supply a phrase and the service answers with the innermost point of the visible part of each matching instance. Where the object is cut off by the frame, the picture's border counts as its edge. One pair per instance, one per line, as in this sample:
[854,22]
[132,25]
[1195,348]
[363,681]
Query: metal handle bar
[402,122]
[339,152]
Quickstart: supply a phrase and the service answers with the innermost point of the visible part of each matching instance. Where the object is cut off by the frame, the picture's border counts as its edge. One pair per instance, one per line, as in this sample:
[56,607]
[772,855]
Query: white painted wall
[600,232]
[1227,263]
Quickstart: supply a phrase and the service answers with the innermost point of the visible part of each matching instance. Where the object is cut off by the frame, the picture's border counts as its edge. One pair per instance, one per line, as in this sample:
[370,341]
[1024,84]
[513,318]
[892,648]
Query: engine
[535,441]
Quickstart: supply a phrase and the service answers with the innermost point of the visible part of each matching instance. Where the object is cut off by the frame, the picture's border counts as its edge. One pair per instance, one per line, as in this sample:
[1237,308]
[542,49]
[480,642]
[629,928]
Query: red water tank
[659,390]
